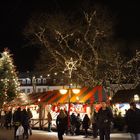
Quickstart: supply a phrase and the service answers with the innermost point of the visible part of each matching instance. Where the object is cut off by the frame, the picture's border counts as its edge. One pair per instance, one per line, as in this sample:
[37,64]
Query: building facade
[34,83]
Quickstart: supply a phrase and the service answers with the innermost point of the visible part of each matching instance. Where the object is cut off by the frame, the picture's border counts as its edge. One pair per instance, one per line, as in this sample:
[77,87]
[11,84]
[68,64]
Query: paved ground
[44,135]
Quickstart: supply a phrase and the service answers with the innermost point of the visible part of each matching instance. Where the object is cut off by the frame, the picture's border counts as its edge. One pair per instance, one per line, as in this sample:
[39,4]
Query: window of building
[28,81]
[39,89]
[54,81]
[23,81]
[38,80]
[23,90]
[28,90]
[44,81]
[44,89]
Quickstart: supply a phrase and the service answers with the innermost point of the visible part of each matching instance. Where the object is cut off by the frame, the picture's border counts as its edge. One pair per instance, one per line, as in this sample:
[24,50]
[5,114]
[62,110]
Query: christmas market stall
[52,101]
[122,99]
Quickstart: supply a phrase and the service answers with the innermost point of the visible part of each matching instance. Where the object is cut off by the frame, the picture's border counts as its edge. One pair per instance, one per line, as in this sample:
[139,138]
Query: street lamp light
[63,91]
[75,90]
[69,91]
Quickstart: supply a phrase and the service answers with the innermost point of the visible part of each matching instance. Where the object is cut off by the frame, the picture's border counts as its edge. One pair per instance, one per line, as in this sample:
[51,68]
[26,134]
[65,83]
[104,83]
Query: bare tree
[87,40]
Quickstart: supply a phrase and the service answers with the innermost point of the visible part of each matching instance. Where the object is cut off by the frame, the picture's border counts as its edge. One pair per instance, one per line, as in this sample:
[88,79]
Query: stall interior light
[75,90]
[63,91]
[136,97]
[110,98]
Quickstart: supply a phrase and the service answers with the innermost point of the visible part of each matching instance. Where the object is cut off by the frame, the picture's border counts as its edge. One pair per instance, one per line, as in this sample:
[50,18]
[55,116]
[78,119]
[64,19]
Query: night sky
[14,15]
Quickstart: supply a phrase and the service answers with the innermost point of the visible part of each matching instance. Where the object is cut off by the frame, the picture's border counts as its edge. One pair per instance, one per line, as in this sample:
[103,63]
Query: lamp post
[69,91]
[70,66]
[40,113]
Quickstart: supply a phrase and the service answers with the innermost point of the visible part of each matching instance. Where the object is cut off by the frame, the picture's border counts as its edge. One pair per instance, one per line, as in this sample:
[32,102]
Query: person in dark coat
[104,119]
[30,117]
[61,123]
[132,118]
[78,124]
[25,123]
[8,118]
[17,121]
[73,120]
[86,124]
[94,124]
[49,121]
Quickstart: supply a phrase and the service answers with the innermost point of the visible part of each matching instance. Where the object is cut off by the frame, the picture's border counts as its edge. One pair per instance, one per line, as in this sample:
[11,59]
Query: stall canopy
[86,95]
[125,96]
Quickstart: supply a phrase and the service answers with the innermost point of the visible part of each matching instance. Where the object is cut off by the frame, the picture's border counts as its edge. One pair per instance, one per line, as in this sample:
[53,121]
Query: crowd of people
[6,119]
[20,120]
[100,121]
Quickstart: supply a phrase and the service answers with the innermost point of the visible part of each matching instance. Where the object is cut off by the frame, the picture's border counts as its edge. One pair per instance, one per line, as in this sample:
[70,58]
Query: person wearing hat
[104,119]
[132,118]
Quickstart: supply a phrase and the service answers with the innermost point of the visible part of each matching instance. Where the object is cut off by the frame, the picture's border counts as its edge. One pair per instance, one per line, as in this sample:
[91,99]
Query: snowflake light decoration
[70,66]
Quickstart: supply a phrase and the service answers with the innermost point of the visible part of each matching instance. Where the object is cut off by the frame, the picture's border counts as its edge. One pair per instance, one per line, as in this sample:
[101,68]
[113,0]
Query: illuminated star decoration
[70,66]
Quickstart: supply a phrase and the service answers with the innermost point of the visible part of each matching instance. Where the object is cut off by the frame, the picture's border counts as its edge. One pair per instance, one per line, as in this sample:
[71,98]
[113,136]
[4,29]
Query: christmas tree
[9,84]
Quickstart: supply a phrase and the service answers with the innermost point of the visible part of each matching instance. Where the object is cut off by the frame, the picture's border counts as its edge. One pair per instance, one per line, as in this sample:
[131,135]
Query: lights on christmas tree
[9,84]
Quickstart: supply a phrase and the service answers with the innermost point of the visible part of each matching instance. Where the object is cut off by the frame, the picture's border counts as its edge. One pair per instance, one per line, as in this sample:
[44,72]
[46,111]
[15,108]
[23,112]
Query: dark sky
[14,15]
